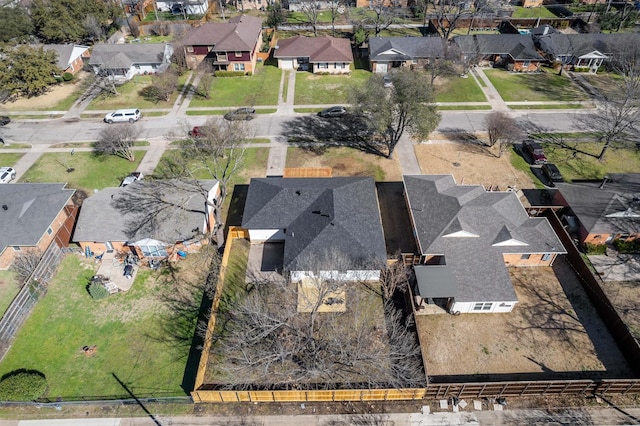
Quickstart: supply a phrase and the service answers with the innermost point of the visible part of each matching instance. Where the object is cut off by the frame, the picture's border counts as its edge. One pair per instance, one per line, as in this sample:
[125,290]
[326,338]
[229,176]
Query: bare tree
[314,334]
[25,263]
[503,130]
[93,28]
[206,79]
[335,6]
[118,140]
[382,18]
[446,15]
[162,86]
[311,11]
[218,153]
[408,106]
[443,66]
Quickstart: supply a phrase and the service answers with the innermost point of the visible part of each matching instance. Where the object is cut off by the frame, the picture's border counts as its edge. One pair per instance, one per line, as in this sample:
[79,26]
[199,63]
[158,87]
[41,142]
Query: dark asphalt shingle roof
[317,49]
[64,52]
[31,208]
[494,223]
[320,215]
[558,44]
[404,48]
[619,199]
[239,34]
[100,219]
[116,56]
[519,46]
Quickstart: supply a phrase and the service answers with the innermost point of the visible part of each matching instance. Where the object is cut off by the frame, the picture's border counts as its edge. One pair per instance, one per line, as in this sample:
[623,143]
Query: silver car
[7,174]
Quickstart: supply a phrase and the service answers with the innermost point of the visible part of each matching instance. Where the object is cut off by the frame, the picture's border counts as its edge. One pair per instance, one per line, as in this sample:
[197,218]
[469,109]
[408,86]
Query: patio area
[112,268]
[265,262]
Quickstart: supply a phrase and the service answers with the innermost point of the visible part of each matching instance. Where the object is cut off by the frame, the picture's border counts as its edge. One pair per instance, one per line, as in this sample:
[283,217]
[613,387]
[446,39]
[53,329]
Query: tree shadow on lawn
[468,140]
[349,130]
[188,302]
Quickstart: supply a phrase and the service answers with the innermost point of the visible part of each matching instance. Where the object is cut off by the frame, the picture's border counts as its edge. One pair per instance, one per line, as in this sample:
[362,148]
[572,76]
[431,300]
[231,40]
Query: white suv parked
[7,174]
[122,116]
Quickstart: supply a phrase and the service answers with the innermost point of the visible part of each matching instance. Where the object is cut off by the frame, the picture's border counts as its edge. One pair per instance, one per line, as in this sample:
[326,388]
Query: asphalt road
[48,131]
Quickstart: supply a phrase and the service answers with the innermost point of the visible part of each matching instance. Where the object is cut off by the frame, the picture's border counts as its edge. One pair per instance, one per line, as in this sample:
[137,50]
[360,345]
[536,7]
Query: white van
[122,116]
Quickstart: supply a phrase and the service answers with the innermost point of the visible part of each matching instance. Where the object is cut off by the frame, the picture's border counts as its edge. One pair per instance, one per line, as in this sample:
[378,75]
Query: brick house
[228,46]
[513,52]
[320,55]
[182,224]
[386,53]
[70,56]
[466,238]
[33,216]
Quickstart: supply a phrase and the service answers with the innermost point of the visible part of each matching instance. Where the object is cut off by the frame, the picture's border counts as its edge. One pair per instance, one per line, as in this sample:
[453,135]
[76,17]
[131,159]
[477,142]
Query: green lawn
[129,95]
[90,171]
[258,89]
[126,328]
[327,89]
[609,84]
[532,12]
[296,18]
[582,166]
[546,86]
[8,159]
[456,89]
[519,163]
[8,289]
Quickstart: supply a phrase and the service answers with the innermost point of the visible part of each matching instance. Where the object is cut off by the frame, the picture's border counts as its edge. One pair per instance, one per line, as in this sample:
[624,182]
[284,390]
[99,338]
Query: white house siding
[496,307]
[264,235]
[332,68]
[355,275]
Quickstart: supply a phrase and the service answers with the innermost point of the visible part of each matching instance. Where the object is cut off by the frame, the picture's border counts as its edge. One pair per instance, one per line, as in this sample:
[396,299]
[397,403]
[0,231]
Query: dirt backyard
[553,333]
[625,296]
[48,100]
[471,163]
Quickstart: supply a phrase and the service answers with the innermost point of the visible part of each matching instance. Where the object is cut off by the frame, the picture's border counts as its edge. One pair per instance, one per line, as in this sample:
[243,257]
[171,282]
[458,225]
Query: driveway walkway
[490,92]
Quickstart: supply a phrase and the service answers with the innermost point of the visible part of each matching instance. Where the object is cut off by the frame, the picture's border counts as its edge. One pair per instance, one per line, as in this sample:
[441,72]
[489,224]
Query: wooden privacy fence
[308,395]
[628,345]
[307,172]
[35,287]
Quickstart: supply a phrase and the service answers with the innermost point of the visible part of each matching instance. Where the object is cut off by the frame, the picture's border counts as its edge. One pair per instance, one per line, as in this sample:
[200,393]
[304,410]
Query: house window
[49,231]
[525,256]
[414,61]
[526,64]
[340,66]
[153,251]
[546,257]
[16,248]
[482,306]
[137,67]
[190,49]
[623,236]
[323,66]
[238,54]
[238,67]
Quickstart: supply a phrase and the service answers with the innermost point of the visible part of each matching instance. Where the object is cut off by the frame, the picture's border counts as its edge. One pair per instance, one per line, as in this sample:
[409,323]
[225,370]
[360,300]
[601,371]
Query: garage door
[286,64]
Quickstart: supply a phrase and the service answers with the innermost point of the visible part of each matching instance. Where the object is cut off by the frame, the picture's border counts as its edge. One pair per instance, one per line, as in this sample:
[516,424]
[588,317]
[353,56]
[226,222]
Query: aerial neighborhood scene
[329,212]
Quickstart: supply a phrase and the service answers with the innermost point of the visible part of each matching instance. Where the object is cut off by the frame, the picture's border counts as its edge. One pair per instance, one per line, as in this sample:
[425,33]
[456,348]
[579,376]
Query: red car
[195,132]
[535,151]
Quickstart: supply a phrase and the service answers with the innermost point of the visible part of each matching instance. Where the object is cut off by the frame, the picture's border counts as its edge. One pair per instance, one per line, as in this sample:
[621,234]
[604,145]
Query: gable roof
[337,215]
[67,53]
[317,49]
[31,208]
[558,44]
[239,34]
[606,208]
[404,48]
[117,56]
[495,223]
[100,220]
[519,46]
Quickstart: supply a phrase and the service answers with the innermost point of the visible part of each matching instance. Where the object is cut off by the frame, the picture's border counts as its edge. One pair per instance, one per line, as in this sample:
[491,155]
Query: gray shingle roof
[317,49]
[100,220]
[439,207]
[320,215]
[615,208]
[558,44]
[31,208]
[124,55]
[519,46]
[239,34]
[64,52]
[404,48]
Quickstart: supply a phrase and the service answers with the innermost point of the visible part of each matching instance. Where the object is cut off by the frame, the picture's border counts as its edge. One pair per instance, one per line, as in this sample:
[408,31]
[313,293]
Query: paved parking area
[619,267]
[265,262]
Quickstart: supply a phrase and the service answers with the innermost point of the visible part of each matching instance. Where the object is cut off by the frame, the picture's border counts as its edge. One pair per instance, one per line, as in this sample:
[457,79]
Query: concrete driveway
[619,267]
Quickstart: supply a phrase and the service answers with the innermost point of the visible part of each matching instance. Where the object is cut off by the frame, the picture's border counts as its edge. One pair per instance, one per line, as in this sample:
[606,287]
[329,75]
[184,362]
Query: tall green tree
[15,23]
[407,106]
[27,71]
[276,15]
[62,21]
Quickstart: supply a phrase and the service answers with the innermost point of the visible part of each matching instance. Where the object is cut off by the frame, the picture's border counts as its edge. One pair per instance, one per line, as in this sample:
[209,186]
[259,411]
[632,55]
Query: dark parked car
[195,132]
[535,151]
[335,111]
[4,120]
[241,114]
[552,173]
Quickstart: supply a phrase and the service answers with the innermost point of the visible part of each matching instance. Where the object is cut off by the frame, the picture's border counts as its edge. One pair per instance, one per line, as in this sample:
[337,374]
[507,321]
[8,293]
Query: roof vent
[5,207]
